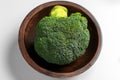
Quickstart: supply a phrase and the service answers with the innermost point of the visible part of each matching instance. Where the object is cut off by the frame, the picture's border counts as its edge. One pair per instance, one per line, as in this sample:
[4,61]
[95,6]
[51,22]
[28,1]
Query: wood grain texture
[27,35]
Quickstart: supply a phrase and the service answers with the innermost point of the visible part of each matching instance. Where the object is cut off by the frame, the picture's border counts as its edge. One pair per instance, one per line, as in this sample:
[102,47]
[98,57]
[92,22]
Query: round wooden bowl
[27,36]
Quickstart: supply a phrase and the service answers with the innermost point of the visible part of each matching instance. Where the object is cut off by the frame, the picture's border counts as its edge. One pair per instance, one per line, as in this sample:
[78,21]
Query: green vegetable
[61,40]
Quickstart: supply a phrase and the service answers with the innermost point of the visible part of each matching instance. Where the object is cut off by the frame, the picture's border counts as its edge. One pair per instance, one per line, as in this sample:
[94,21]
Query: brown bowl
[27,36]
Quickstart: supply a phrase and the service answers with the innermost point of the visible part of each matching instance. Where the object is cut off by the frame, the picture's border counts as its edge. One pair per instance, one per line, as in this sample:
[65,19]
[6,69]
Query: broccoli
[61,40]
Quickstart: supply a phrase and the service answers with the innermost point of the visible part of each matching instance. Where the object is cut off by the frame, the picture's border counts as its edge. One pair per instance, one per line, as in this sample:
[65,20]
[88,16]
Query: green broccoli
[61,40]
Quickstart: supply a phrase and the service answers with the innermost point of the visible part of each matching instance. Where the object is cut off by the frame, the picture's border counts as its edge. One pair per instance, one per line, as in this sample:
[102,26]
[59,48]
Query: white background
[14,67]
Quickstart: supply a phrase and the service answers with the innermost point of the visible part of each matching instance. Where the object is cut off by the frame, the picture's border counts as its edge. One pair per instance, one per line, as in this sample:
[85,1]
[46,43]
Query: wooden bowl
[27,36]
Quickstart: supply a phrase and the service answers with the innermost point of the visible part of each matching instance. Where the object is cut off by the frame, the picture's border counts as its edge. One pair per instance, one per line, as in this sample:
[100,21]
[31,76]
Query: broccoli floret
[62,40]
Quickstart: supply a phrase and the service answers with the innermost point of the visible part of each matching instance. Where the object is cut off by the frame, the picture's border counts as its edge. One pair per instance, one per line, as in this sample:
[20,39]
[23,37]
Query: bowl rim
[35,65]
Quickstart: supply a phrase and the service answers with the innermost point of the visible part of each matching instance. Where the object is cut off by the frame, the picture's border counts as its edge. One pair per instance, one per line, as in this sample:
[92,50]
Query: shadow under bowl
[27,36]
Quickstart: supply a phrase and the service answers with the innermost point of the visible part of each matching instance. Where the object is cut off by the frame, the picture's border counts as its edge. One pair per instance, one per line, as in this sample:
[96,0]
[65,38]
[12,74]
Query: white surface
[14,67]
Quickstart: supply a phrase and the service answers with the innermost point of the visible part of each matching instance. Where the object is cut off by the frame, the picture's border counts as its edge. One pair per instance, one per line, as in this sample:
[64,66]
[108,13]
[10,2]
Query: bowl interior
[29,37]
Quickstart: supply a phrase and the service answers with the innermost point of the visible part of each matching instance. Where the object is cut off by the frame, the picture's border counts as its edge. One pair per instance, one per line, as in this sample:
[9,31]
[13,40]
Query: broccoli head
[62,40]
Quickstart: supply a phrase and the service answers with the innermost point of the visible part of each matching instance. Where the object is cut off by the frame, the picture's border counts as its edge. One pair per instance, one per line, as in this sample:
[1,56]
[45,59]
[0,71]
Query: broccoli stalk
[60,39]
